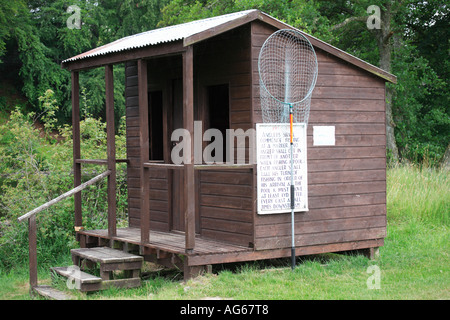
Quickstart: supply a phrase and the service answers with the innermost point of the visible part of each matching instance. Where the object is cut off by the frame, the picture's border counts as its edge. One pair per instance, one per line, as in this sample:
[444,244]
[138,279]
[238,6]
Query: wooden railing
[31,216]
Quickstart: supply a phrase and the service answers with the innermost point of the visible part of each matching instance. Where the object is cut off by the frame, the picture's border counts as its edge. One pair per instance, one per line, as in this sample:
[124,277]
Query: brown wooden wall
[346,182]
[158,178]
[226,206]
[133,152]
[224,198]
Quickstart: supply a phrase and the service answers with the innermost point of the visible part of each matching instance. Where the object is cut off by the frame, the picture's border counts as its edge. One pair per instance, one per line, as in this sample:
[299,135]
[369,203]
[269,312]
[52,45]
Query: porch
[168,248]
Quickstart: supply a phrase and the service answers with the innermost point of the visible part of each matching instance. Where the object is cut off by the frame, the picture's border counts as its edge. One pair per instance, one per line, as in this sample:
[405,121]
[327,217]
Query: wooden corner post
[188,119]
[111,149]
[144,150]
[76,147]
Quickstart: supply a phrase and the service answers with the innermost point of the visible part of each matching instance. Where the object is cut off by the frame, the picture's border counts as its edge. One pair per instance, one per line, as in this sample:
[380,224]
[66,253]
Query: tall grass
[418,193]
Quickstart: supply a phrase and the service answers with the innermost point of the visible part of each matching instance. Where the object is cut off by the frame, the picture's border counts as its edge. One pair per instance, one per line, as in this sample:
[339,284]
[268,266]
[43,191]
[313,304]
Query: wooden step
[51,293]
[106,255]
[79,275]
[86,282]
[81,280]
[109,260]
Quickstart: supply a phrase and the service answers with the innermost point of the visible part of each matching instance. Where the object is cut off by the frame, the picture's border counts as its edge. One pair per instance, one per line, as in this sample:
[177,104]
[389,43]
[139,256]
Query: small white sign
[324,136]
[274,168]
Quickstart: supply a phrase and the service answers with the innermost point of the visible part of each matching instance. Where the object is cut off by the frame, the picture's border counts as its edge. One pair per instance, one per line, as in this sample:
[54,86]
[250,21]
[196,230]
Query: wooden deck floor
[208,251]
[173,242]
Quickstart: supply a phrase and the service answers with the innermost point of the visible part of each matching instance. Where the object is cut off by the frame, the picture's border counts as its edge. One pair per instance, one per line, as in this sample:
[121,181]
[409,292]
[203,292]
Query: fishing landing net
[287,67]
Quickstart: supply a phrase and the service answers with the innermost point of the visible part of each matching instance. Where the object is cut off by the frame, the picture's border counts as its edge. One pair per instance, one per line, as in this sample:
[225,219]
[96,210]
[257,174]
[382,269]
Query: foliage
[301,14]
[39,38]
[422,130]
[35,168]
[411,47]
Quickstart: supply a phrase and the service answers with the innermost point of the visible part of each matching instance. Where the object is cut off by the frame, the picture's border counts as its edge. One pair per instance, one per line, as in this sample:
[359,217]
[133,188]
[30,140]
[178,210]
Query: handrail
[31,216]
[65,195]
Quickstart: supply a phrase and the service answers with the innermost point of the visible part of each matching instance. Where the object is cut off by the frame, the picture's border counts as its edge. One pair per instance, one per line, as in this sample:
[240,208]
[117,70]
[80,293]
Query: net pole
[287,98]
[291,121]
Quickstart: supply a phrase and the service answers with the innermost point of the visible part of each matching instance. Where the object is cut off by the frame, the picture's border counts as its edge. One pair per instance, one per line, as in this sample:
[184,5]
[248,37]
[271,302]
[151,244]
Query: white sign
[274,168]
[324,136]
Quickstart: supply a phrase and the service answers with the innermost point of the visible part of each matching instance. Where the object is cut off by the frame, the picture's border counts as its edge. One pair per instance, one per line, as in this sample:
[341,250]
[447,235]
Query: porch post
[188,119]
[76,148]
[145,151]
[111,149]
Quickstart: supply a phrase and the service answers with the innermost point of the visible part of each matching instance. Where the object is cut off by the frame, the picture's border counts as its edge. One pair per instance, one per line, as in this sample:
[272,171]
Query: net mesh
[287,68]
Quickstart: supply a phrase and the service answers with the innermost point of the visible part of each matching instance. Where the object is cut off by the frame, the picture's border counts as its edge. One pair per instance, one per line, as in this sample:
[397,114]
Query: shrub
[35,168]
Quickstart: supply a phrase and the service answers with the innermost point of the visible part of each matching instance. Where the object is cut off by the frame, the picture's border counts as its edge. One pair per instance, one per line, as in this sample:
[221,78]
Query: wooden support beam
[76,146]
[145,152]
[188,119]
[111,150]
[32,251]
[162,49]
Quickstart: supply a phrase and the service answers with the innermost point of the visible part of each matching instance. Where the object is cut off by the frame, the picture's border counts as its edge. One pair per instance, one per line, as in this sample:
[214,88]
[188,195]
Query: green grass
[419,194]
[414,263]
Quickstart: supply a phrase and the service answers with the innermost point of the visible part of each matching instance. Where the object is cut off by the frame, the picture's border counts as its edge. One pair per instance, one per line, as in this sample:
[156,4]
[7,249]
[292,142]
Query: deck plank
[170,241]
[82,276]
[52,293]
[105,255]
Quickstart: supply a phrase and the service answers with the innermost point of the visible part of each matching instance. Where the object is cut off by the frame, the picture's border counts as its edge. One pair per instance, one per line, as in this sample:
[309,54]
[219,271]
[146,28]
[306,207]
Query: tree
[35,38]
[9,13]
[301,14]
[417,114]
[356,24]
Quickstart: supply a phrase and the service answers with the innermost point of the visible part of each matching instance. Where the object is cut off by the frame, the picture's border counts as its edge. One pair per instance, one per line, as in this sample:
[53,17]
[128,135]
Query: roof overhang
[174,39]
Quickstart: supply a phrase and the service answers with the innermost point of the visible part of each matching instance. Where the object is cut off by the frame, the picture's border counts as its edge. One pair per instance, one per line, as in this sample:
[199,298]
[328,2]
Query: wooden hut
[195,214]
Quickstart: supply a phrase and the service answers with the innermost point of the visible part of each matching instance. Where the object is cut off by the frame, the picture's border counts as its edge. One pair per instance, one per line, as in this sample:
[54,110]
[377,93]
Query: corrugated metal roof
[167,34]
[199,30]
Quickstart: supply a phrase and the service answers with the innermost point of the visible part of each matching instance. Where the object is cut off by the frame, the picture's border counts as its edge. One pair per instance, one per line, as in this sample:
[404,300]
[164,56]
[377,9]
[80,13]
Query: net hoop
[272,62]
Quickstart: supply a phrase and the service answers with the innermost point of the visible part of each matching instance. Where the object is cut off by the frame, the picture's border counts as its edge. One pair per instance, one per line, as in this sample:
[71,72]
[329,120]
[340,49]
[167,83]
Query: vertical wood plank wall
[225,197]
[346,182]
[159,218]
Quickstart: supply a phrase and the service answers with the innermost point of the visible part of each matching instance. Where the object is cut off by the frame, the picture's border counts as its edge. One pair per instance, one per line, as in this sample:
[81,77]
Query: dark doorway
[155,119]
[219,112]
